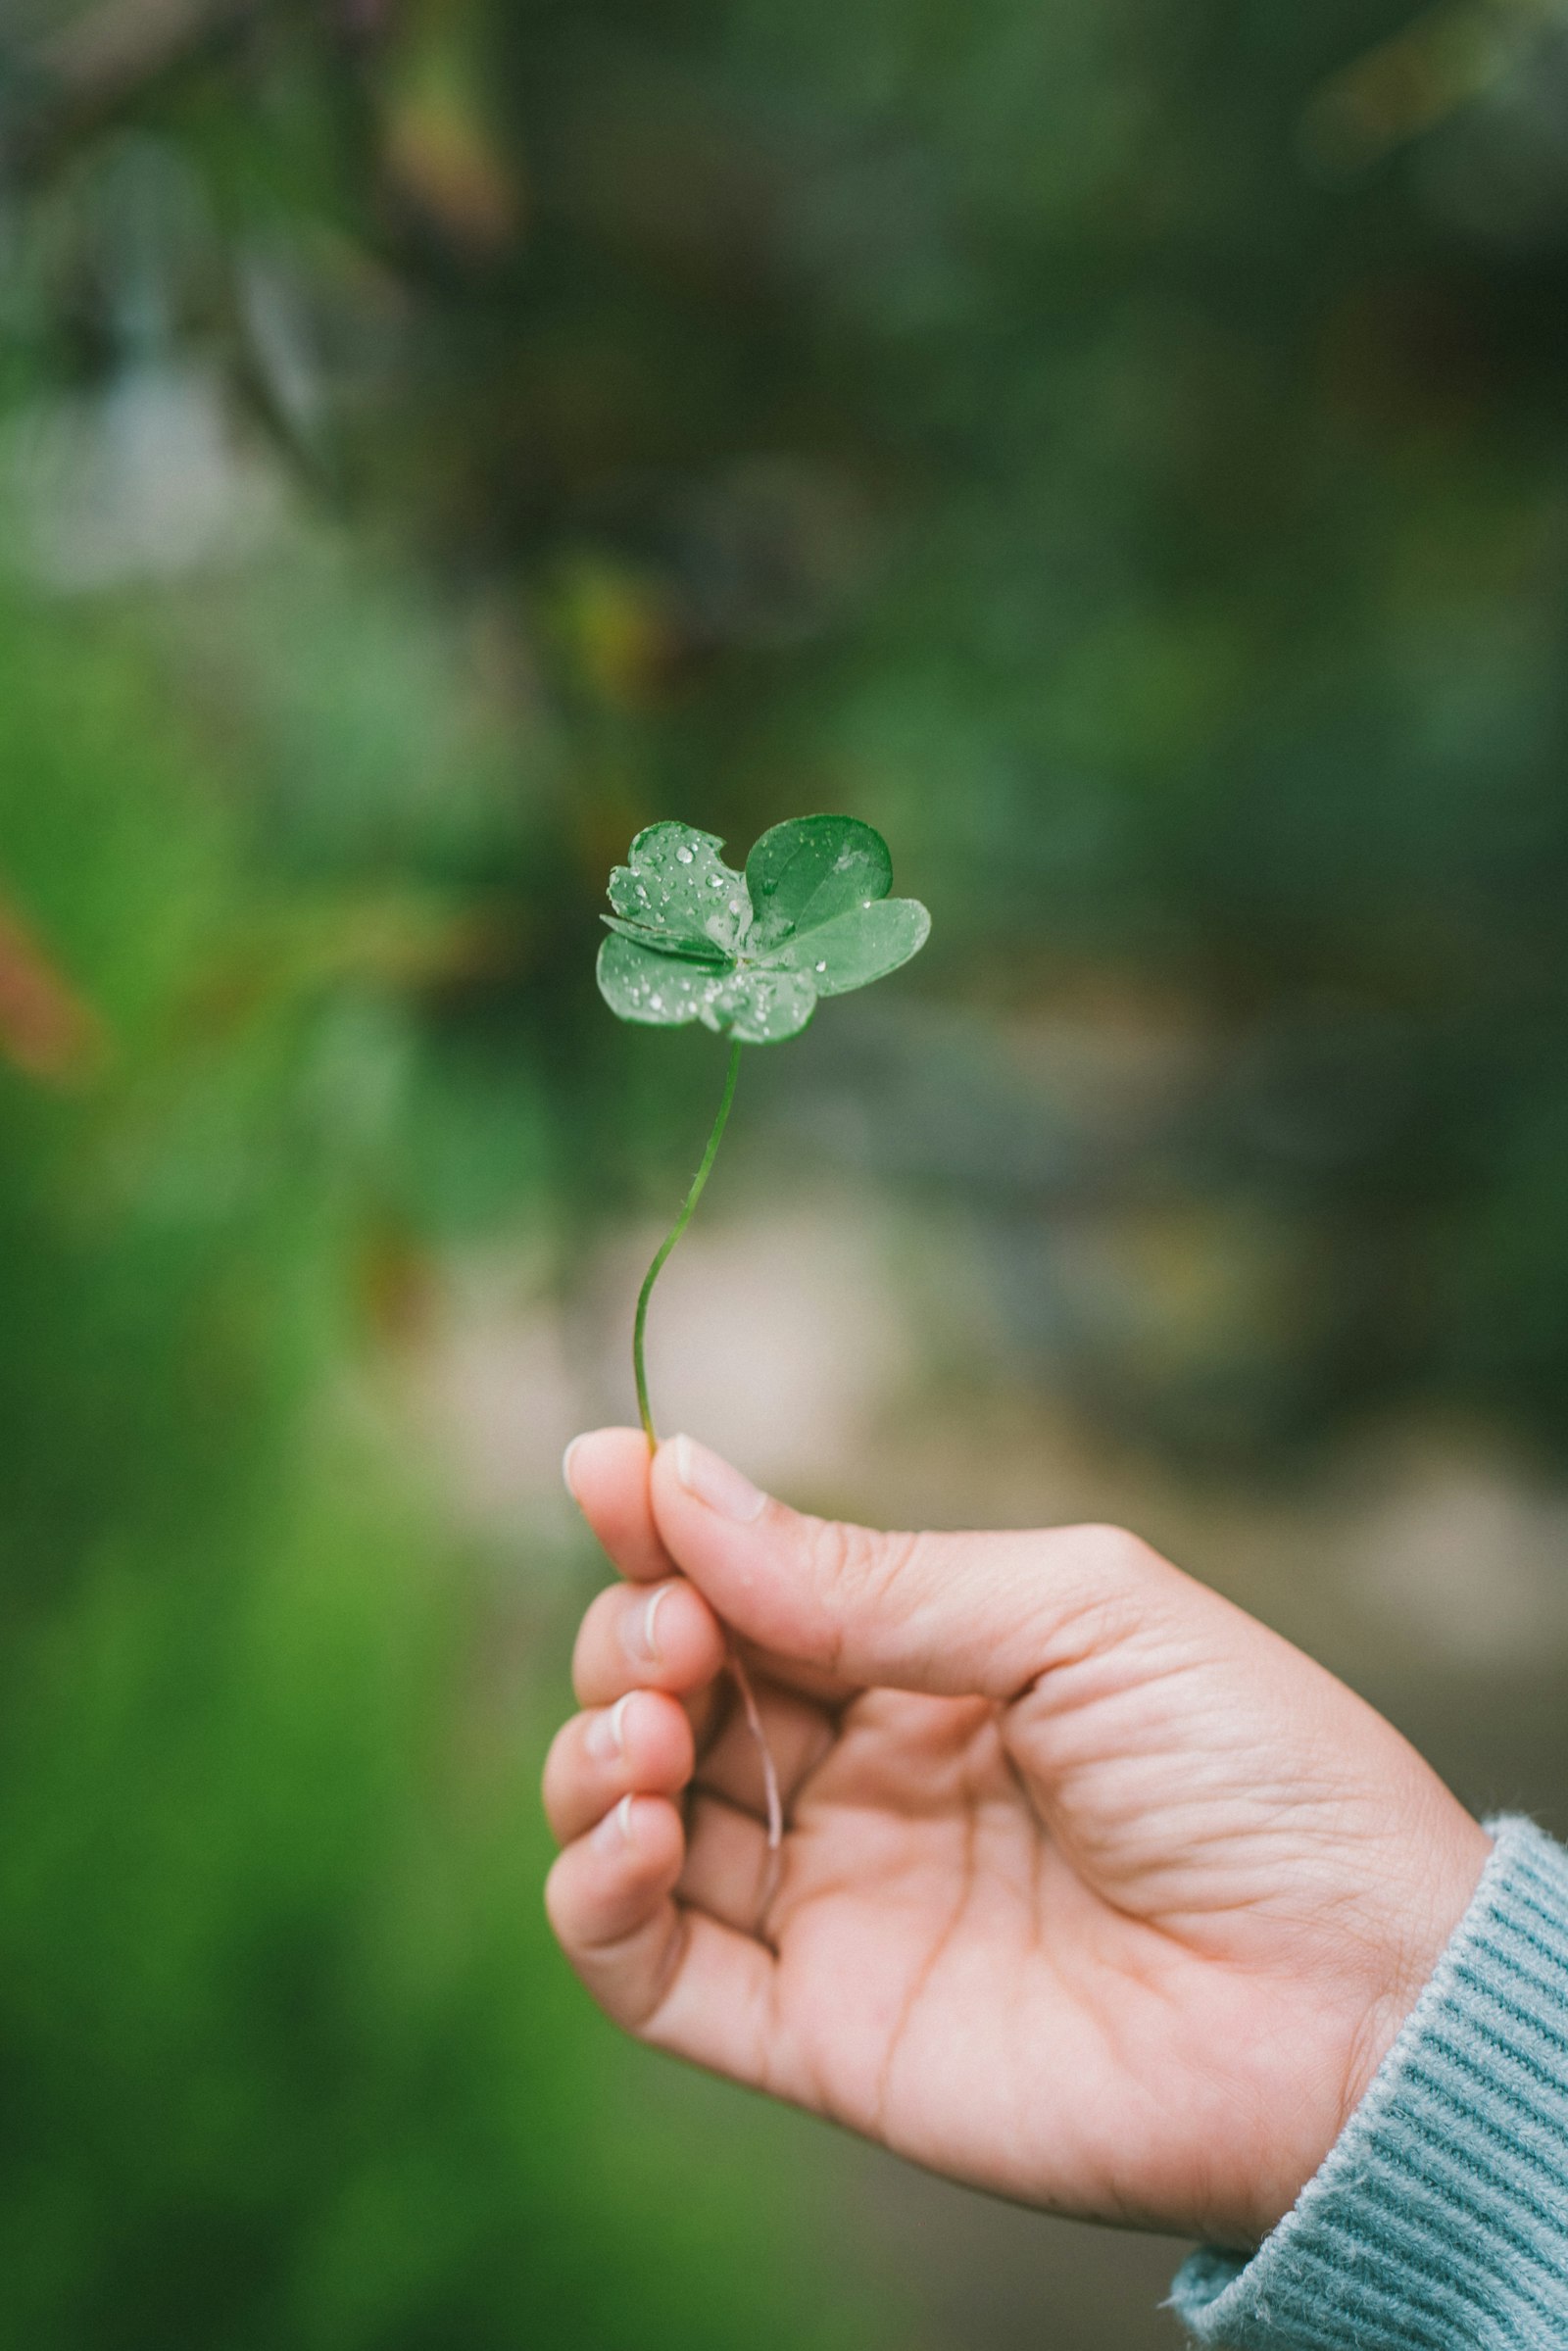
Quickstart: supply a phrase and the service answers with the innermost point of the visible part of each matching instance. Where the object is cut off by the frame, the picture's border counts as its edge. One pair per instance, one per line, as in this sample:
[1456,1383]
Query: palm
[948,1983]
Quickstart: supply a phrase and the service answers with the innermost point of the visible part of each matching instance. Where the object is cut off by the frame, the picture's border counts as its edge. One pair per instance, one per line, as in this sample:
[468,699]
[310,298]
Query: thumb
[971,1614]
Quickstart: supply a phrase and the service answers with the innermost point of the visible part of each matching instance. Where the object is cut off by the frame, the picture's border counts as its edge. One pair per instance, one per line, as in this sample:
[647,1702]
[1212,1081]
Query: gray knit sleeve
[1439,2219]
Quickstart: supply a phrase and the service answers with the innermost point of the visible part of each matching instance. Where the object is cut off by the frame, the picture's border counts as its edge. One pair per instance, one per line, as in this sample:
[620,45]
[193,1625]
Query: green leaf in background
[750,955]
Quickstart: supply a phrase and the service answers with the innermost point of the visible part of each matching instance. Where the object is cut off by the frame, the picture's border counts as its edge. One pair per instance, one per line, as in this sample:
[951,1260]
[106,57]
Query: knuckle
[675,1727]
[856,1570]
[554,1760]
[1115,1560]
[598,1619]
[559,1781]
[557,1902]
[1103,1599]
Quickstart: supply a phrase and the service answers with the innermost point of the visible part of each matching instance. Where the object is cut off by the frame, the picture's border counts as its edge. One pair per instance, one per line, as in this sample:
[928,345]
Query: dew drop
[822,966]
[657,1002]
[715,881]
[684,856]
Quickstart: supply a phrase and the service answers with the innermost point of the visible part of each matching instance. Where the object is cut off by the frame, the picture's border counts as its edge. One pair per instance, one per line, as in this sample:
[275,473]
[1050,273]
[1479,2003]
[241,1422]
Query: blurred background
[1117,447]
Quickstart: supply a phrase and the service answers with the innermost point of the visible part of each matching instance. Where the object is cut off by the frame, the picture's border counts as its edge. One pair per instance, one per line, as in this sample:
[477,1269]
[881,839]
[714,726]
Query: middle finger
[799,1736]
[646,1637]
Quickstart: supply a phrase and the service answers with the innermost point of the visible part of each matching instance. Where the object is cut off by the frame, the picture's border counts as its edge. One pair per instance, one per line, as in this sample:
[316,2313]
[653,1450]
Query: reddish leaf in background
[46,1028]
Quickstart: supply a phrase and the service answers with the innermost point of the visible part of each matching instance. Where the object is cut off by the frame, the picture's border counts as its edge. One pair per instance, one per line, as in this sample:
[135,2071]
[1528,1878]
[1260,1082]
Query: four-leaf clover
[749,953]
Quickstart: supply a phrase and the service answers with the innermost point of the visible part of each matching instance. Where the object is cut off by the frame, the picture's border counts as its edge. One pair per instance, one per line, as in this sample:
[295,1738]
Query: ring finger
[641,1745]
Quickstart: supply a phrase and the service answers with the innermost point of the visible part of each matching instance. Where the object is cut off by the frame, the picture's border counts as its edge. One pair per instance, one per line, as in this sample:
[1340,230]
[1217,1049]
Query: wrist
[1437,2218]
[1426,1913]
[1420,1911]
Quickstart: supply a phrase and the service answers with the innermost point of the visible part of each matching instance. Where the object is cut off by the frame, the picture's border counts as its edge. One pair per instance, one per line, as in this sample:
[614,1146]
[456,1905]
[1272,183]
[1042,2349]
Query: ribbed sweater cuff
[1439,2218]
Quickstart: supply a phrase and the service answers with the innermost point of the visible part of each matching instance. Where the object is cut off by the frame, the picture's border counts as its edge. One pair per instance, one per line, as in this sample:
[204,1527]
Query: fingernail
[565,1468]
[613,1833]
[640,1629]
[717,1483]
[606,1739]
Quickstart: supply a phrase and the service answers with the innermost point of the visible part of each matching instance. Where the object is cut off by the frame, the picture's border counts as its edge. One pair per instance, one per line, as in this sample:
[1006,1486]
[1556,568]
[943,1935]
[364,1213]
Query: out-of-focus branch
[121,44]
[86,74]
[1448,56]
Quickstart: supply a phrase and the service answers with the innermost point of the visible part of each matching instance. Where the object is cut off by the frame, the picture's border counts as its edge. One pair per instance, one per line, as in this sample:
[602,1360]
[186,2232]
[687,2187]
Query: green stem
[681,1222]
[742,1682]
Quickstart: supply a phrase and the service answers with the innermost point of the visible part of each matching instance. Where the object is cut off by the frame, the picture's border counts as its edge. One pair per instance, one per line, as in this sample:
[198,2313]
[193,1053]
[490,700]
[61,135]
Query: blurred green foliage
[1118,451]
[1114,451]
[286,2056]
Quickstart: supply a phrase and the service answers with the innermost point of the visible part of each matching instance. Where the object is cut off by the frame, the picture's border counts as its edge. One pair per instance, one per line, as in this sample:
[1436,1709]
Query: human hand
[1095,1892]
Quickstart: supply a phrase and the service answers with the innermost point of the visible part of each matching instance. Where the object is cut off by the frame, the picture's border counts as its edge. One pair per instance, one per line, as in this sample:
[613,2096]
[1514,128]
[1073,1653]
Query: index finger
[608,1475]
[980,1614]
